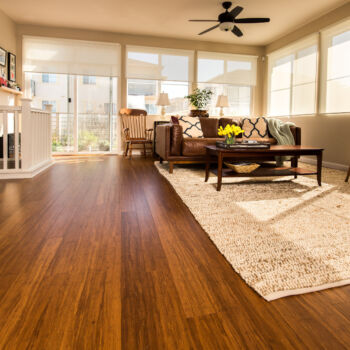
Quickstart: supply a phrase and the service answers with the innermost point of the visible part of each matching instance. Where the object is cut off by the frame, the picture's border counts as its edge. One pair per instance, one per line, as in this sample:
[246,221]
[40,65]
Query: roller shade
[219,68]
[159,64]
[292,74]
[53,55]
[335,69]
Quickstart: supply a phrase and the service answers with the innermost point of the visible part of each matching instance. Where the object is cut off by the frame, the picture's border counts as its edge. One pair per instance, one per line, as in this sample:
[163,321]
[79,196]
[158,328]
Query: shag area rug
[284,236]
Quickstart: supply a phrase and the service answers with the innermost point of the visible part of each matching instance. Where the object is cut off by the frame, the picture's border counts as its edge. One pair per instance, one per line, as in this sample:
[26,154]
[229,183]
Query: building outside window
[89,80]
[53,103]
[49,78]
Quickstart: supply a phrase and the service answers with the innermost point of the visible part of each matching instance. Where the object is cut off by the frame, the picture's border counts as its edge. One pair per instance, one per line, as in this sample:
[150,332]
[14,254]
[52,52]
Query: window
[89,80]
[154,70]
[336,69]
[230,75]
[292,79]
[84,90]
[49,78]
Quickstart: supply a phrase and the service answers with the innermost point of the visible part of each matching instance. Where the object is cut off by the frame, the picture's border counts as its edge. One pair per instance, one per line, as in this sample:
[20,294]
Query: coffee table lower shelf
[265,171]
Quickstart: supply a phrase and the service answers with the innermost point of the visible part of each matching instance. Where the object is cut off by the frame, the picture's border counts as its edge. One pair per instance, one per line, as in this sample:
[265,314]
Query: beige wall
[331,132]
[7,33]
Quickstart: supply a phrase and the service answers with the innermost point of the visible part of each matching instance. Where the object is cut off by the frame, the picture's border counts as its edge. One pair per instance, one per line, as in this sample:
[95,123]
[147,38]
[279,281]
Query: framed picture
[3,55]
[3,72]
[11,67]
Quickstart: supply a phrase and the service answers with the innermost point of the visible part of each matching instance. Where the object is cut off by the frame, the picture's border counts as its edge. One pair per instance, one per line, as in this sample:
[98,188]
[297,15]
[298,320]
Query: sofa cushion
[191,126]
[236,121]
[209,126]
[255,128]
[196,146]
[224,121]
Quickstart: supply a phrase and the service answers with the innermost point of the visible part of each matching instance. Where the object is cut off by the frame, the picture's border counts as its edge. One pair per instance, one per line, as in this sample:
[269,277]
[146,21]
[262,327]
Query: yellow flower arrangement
[230,132]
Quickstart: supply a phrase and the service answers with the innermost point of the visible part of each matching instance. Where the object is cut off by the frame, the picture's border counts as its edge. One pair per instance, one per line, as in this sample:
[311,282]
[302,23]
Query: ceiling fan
[228,19]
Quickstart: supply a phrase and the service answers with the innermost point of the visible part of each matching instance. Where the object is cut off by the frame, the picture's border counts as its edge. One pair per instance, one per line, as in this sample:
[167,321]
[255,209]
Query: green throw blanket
[281,132]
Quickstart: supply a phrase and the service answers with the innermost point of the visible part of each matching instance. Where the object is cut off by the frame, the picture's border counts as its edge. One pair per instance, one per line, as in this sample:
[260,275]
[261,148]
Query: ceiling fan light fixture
[226,26]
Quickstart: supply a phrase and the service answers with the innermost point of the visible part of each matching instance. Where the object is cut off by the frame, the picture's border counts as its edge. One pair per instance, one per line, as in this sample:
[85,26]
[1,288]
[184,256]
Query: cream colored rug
[283,237]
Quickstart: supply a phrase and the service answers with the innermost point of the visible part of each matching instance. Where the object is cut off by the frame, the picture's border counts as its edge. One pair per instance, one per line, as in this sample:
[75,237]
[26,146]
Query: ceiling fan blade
[236,31]
[236,11]
[203,20]
[252,20]
[209,29]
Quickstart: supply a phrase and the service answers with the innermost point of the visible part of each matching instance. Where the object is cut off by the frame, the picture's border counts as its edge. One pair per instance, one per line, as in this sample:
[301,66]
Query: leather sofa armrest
[176,140]
[163,135]
[296,131]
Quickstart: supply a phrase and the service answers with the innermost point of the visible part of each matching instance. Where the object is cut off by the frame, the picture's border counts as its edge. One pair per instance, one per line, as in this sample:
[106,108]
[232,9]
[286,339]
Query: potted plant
[199,99]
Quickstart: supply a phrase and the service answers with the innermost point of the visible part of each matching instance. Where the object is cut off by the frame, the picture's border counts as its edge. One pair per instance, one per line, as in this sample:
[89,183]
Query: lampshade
[222,101]
[163,99]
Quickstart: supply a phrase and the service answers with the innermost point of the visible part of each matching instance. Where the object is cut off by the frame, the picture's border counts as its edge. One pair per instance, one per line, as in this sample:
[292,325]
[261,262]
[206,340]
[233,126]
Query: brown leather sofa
[171,146]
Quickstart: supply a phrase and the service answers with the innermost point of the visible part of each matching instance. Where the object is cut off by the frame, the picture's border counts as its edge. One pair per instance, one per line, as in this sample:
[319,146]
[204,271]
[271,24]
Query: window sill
[337,114]
[292,116]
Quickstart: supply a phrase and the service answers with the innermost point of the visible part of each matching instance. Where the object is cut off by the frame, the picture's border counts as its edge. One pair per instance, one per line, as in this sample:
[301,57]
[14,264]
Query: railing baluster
[5,139]
[16,130]
[32,138]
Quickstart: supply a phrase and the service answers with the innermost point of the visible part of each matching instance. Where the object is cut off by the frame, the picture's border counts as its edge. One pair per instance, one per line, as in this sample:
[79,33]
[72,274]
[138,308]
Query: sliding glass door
[85,110]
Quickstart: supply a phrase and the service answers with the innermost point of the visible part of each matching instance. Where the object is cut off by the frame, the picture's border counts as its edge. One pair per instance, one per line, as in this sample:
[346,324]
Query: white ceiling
[169,18]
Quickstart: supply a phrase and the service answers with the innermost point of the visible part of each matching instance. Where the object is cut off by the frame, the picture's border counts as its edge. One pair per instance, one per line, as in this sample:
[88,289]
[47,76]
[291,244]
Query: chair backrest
[135,121]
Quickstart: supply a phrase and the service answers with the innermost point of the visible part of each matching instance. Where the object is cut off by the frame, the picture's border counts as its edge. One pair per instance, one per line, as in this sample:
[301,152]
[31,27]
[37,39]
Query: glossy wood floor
[100,253]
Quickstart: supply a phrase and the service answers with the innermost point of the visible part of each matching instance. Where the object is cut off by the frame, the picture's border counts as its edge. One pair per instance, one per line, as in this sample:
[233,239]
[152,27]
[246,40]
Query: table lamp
[222,102]
[163,100]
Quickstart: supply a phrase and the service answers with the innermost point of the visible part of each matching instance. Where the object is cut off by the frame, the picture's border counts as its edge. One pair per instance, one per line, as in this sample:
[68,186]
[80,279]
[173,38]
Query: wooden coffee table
[265,169]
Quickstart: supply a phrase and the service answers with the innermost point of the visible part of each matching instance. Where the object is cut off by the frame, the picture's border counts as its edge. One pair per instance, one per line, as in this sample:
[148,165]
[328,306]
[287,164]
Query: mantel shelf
[10,91]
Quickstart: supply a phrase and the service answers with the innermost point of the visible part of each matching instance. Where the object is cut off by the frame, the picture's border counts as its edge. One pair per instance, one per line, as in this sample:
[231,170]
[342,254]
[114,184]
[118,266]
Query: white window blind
[336,69]
[219,68]
[53,55]
[152,63]
[292,78]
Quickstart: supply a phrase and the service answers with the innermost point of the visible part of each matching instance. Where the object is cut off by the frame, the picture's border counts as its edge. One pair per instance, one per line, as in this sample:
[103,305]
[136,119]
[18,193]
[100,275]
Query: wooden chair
[347,176]
[135,131]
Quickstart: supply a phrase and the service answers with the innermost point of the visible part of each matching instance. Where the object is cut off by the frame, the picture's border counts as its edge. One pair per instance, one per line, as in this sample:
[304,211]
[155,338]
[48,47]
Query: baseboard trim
[330,165]
[25,174]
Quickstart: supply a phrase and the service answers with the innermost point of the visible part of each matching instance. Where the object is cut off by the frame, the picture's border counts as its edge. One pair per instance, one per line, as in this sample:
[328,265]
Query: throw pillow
[191,126]
[255,128]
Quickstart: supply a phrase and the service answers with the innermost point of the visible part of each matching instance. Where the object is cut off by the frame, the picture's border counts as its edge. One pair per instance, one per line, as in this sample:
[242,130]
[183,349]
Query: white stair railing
[30,146]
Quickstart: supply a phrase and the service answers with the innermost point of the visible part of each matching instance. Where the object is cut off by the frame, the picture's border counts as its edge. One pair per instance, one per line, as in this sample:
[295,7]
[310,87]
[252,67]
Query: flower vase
[230,140]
